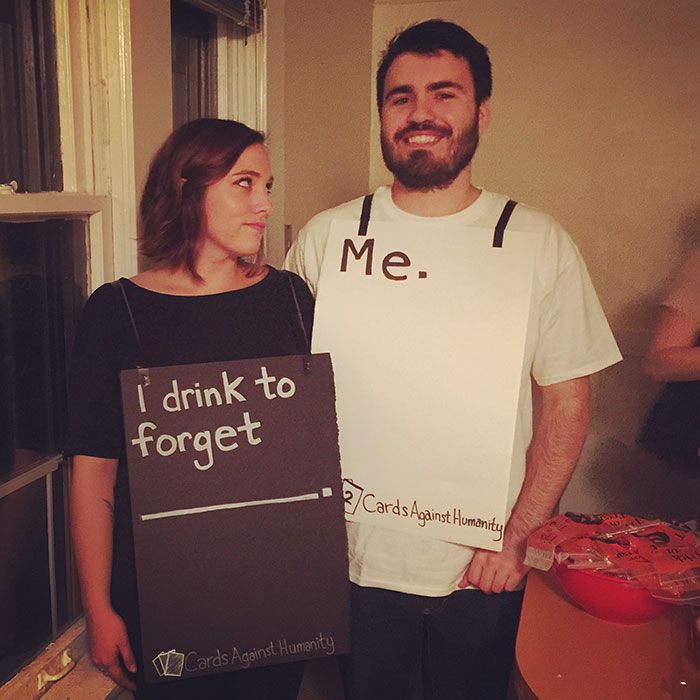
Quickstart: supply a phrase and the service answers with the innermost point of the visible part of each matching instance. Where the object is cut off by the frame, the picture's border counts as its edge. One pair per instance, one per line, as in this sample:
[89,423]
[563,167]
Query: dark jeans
[459,647]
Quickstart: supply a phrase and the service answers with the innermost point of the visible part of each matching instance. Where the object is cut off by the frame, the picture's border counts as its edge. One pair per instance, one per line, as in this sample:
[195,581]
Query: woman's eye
[244,182]
[268,187]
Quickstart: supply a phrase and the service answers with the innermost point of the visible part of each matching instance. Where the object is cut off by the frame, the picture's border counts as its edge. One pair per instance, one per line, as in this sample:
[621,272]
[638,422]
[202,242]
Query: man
[425,609]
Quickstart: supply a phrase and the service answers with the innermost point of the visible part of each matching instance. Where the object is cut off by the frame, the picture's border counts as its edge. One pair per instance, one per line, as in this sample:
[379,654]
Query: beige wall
[318,103]
[596,109]
[151,81]
[151,85]
[275,119]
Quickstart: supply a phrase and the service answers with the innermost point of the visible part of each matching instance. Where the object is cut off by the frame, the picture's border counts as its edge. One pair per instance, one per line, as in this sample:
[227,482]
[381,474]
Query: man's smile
[423,139]
[422,134]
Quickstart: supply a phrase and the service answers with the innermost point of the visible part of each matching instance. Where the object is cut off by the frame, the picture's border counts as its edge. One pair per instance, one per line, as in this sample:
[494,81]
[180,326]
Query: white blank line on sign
[325,492]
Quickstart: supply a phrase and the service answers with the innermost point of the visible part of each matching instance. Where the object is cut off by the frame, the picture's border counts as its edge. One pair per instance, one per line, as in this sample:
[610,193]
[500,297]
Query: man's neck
[438,202]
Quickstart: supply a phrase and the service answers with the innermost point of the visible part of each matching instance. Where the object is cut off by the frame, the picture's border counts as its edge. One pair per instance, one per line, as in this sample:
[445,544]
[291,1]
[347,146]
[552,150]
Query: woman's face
[237,206]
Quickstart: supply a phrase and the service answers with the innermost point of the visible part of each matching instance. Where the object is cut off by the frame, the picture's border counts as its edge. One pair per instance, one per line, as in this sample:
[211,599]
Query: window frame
[96,118]
[95,210]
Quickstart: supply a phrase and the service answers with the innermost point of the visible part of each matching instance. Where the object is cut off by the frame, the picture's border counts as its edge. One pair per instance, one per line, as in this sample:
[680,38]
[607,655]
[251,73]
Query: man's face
[430,121]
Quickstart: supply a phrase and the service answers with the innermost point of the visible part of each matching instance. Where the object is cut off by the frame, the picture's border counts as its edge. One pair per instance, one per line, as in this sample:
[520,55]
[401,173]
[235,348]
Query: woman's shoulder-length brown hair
[194,156]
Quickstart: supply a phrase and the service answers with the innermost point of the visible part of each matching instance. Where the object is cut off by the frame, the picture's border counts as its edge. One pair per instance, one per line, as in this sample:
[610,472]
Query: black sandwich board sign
[237,505]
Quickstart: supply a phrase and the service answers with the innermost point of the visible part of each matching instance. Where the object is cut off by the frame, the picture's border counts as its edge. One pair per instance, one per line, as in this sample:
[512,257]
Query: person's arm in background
[92,512]
[555,449]
[673,355]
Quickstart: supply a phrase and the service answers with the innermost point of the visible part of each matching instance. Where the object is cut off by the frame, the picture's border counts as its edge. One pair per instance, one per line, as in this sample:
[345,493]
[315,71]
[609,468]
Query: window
[54,246]
[194,63]
[42,286]
[29,128]
[218,57]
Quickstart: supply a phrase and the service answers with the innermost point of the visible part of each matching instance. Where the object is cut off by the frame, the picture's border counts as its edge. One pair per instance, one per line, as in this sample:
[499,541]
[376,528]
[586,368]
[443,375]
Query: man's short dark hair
[429,38]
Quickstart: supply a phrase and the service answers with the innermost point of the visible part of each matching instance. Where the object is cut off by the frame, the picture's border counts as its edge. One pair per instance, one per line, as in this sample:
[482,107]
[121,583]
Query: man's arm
[555,449]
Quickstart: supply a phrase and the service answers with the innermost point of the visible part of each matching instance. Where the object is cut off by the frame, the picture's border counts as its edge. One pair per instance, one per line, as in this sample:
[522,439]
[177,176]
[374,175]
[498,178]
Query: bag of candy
[661,556]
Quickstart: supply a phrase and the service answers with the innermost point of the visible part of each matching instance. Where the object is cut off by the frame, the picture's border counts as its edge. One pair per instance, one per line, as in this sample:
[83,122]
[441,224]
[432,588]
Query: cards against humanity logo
[169,663]
[352,493]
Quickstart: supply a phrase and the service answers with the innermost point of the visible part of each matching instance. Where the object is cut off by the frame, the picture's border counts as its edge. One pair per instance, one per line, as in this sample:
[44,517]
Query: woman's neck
[215,278]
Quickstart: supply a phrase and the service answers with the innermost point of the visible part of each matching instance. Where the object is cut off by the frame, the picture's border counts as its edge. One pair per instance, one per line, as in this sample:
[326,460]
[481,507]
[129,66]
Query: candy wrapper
[663,557]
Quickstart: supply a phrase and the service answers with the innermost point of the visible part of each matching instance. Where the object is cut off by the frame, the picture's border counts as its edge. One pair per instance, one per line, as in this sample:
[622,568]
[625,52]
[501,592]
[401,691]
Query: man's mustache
[422,126]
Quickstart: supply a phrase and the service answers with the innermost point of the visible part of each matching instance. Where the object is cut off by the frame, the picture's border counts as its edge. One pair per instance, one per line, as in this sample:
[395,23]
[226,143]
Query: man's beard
[421,170]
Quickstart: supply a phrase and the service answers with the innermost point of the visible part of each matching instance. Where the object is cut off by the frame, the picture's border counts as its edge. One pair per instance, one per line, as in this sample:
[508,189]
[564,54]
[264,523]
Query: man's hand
[555,447]
[110,648]
[495,572]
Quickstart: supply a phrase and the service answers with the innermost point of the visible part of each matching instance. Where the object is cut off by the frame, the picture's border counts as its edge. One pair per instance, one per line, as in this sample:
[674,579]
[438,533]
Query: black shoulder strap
[502,223]
[299,318]
[499,231]
[364,216]
[138,355]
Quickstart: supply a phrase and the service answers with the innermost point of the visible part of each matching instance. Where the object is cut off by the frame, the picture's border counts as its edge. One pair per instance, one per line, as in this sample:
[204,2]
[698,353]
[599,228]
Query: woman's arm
[673,356]
[92,510]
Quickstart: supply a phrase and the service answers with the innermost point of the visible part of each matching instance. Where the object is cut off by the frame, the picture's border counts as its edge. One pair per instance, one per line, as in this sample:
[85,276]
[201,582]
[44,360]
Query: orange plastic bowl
[609,598]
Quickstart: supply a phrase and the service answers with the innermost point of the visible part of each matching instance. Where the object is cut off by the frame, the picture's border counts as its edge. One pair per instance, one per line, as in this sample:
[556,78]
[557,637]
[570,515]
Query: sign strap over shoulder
[299,324]
[498,234]
[364,216]
[502,223]
[297,308]
[143,371]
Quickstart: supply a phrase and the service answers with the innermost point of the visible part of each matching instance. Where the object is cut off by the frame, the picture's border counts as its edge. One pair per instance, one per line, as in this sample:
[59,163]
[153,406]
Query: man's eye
[399,101]
[445,95]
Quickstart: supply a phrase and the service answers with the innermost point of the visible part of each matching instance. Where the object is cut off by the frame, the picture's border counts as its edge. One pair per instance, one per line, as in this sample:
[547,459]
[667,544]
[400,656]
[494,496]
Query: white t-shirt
[567,337]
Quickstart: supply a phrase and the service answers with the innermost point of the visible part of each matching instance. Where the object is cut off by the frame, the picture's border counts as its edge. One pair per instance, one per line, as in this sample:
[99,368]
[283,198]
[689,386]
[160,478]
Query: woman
[208,298]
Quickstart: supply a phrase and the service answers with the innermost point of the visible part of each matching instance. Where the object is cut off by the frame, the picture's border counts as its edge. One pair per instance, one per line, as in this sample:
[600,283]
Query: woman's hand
[110,649]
